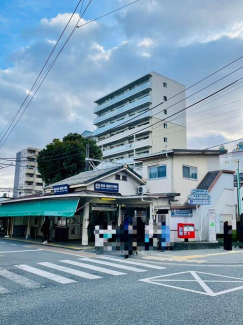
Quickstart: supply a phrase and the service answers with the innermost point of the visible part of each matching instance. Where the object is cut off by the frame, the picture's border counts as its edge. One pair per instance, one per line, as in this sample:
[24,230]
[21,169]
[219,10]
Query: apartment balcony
[30,171]
[123,122]
[29,179]
[28,187]
[144,86]
[124,109]
[128,147]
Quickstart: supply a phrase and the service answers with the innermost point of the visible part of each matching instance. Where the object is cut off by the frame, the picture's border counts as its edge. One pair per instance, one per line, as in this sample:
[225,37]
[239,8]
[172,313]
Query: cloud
[185,43]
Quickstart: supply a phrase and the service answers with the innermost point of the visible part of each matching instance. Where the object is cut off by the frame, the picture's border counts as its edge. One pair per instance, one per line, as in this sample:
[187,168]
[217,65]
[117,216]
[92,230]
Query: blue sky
[185,41]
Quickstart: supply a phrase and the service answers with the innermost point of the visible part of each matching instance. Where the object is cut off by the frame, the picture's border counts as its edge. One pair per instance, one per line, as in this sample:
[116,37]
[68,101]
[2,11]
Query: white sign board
[198,191]
[212,224]
[199,197]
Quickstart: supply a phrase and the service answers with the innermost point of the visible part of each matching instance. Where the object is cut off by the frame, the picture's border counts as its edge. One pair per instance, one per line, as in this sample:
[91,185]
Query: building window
[118,177]
[157,172]
[189,172]
[165,111]
[165,98]
[124,177]
[165,140]
[165,125]
[164,84]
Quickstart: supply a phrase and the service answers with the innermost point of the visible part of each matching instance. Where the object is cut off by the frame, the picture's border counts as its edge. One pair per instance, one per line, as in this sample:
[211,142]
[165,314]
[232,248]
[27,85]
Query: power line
[39,75]
[46,74]
[76,26]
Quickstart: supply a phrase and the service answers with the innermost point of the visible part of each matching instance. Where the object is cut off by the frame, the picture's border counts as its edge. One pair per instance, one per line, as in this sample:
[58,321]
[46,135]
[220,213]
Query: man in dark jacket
[45,229]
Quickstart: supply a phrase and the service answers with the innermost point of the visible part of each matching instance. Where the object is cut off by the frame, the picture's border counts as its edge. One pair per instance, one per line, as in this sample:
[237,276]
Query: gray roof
[208,180]
[90,176]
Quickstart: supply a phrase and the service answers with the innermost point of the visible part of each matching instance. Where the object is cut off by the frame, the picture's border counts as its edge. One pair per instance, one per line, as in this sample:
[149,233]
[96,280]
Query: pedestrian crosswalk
[68,272]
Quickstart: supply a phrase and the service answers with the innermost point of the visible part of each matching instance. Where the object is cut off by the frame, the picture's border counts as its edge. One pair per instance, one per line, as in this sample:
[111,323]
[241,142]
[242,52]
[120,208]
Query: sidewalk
[72,245]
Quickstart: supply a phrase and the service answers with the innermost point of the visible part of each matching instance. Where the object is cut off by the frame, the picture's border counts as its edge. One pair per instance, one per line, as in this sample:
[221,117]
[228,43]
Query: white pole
[199,235]
[202,221]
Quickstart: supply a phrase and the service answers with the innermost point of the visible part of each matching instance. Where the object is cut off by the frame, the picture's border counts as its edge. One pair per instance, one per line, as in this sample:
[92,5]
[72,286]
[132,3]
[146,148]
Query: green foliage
[64,158]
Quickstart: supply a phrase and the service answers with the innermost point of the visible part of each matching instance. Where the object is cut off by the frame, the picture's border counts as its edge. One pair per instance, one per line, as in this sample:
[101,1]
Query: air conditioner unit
[142,189]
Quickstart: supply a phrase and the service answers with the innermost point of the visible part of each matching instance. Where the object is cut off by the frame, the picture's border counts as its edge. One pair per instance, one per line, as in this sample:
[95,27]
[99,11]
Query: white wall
[129,187]
[204,164]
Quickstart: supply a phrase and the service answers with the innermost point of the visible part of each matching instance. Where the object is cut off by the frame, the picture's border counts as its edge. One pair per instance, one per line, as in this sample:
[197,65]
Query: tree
[64,158]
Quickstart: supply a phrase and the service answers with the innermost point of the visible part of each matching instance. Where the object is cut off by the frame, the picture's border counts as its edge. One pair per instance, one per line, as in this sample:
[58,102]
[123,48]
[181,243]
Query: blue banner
[106,187]
[61,189]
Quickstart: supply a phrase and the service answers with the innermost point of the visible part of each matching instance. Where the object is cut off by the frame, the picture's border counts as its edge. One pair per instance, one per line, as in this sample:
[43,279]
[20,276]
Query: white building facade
[27,179]
[134,108]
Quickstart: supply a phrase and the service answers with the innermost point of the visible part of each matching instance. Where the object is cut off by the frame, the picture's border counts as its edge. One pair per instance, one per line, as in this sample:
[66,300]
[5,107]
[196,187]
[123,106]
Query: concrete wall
[129,187]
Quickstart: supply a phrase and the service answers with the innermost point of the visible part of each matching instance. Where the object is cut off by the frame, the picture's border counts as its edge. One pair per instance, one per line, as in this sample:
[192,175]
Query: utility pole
[238,188]
[87,156]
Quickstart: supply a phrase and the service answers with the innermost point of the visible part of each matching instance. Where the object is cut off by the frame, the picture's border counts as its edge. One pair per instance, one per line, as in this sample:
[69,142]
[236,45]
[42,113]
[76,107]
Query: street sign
[61,189]
[199,197]
[198,191]
[199,202]
[181,213]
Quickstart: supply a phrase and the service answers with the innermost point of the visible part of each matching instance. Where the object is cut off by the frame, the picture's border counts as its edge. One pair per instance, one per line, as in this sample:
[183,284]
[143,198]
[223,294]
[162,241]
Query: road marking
[19,279]
[70,271]
[22,251]
[196,275]
[2,242]
[44,274]
[3,290]
[119,266]
[93,267]
[133,263]
[14,244]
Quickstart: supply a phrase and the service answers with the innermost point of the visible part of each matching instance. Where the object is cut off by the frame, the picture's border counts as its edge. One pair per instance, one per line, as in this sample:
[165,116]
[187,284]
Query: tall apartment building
[127,110]
[27,179]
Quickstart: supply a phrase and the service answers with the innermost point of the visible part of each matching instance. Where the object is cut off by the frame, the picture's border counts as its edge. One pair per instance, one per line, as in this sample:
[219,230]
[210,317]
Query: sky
[183,40]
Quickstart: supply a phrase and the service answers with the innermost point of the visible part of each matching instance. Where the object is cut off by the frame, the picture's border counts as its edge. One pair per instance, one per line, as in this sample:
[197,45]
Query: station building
[106,196]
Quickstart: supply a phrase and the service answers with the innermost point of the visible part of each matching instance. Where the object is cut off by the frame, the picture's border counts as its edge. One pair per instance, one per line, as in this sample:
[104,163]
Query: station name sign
[106,187]
[61,189]
[104,207]
[181,213]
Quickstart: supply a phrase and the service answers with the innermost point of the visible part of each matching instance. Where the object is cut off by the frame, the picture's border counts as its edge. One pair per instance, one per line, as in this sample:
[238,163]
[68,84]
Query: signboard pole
[198,223]
[202,221]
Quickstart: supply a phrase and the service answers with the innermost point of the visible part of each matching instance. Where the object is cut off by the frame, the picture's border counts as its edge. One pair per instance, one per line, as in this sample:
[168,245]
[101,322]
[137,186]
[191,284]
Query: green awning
[65,207]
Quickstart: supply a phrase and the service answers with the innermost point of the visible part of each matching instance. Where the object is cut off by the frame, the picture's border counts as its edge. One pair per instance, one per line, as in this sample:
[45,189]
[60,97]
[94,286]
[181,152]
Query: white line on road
[119,266]
[22,251]
[133,263]
[2,242]
[14,244]
[93,267]
[3,290]
[202,284]
[45,274]
[70,271]
[18,279]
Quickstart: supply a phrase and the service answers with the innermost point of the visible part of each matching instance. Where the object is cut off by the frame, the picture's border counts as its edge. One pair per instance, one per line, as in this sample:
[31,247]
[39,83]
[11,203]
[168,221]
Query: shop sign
[106,187]
[212,227]
[104,207]
[181,213]
[61,189]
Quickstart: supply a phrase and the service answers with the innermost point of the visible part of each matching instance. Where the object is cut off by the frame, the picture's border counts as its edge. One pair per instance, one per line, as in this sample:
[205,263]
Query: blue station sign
[106,187]
[181,213]
[61,189]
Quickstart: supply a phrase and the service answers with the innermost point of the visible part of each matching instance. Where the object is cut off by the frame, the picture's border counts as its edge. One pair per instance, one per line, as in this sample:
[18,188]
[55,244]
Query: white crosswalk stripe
[119,266]
[45,274]
[150,266]
[93,267]
[18,279]
[70,271]
[3,290]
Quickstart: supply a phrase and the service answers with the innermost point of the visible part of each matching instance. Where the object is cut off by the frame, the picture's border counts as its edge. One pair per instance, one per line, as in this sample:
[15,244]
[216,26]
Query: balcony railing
[112,151]
[127,94]
[126,108]
[122,122]
[128,147]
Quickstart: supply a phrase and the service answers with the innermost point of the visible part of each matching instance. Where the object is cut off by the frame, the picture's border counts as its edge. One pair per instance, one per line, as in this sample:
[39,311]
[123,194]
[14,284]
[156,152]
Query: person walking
[45,229]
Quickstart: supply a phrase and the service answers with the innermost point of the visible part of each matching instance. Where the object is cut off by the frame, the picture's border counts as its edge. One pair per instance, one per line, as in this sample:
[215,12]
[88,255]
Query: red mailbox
[186,230]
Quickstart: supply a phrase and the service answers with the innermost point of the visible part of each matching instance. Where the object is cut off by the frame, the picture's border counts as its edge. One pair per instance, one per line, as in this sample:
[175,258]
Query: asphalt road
[49,287]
